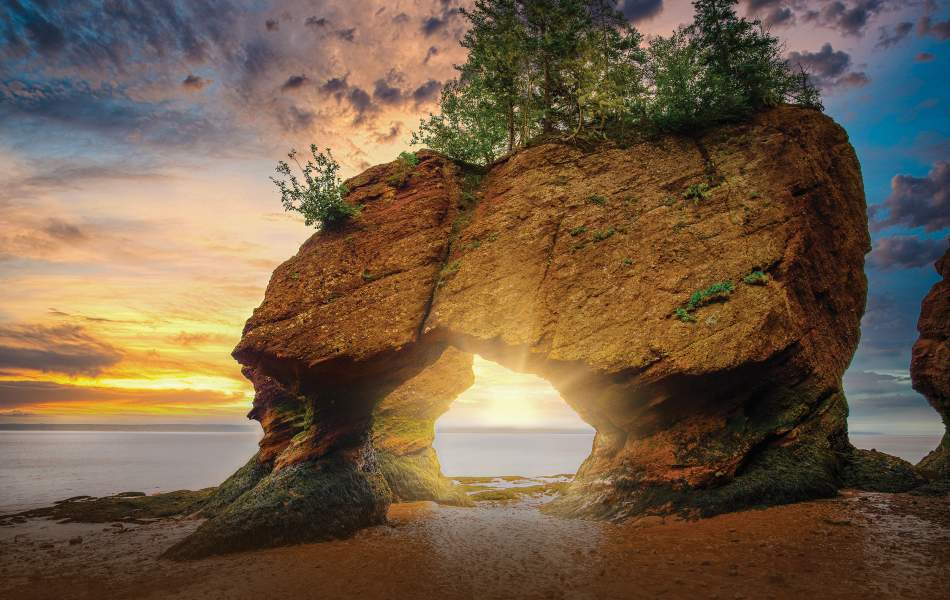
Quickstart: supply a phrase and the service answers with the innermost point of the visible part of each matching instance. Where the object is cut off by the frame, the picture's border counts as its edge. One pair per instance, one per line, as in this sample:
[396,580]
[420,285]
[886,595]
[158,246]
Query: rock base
[305,502]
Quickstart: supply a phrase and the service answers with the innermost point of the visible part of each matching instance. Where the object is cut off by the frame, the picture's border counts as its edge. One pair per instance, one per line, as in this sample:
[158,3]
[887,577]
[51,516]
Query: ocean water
[39,467]
[502,453]
[909,447]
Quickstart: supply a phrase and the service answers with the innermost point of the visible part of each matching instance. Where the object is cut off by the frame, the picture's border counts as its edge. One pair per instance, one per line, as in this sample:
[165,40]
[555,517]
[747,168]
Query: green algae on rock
[305,502]
[129,507]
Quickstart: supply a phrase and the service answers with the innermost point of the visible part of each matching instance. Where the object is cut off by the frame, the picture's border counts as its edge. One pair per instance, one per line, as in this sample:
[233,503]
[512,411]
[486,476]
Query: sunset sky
[138,227]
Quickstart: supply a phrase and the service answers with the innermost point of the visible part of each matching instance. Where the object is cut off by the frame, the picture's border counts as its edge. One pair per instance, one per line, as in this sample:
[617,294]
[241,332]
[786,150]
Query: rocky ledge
[930,364]
[696,299]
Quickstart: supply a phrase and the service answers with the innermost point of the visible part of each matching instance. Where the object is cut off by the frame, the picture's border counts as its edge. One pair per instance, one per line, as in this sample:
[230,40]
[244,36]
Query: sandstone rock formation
[570,264]
[930,364]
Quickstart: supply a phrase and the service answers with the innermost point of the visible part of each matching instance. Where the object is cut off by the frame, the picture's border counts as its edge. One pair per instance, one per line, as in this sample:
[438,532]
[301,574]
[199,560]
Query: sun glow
[504,398]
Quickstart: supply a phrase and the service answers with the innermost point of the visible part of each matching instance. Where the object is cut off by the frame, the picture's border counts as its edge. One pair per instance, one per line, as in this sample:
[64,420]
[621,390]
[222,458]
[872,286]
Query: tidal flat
[857,545]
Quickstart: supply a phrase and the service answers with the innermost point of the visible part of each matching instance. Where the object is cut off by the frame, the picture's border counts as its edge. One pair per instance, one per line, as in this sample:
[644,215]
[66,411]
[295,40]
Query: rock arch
[571,265]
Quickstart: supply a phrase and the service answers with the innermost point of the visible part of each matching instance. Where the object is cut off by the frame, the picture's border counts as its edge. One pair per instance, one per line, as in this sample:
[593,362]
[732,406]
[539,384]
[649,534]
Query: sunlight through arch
[510,423]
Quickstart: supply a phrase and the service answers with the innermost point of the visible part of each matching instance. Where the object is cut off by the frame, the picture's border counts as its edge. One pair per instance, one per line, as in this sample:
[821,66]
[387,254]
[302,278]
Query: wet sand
[859,545]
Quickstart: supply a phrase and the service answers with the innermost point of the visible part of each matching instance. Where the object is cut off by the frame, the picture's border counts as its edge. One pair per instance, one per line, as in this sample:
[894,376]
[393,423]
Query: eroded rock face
[570,264]
[930,364]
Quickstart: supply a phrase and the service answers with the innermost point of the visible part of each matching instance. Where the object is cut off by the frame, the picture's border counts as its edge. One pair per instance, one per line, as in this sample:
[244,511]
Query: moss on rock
[237,484]
[128,506]
[874,471]
[418,477]
[305,502]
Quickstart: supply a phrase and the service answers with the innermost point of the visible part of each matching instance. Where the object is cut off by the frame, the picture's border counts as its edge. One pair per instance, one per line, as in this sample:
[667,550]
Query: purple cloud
[917,201]
[906,252]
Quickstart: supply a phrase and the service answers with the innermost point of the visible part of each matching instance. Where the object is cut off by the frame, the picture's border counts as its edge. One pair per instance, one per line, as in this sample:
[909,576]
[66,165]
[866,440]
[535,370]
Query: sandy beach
[857,545]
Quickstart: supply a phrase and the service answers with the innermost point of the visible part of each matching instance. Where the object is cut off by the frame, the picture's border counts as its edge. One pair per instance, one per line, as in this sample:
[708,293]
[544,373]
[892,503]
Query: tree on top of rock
[576,68]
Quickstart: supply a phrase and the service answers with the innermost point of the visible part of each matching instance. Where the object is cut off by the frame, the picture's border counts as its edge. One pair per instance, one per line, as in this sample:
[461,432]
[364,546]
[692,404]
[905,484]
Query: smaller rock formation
[930,364]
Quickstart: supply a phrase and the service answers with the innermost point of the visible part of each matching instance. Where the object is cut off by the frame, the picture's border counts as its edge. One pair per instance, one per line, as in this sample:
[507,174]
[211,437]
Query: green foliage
[469,128]
[683,315]
[626,262]
[449,270]
[597,199]
[577,69]
[319,197]
[756,278]
[405,163]
[697,192]
[576,231]
[471,182]
[408,158]
[713,293]
[604,234]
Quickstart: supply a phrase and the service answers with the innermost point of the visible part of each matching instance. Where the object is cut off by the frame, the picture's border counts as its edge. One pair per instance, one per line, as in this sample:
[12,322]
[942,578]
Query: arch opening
[510,424]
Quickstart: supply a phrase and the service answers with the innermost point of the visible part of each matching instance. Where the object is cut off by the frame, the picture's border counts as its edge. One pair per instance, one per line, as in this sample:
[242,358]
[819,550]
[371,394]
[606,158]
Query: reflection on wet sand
[858,545]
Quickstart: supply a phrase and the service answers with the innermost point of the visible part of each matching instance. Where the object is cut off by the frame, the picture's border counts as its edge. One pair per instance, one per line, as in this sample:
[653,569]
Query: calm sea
[40,467]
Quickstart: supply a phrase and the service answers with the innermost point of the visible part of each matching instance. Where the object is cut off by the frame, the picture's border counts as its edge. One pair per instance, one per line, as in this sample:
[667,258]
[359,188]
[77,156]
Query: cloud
[360,101]
[640,10]
[906,252]
[16,413]
[294,82]
[131,69]
[385,93]
[930,146]
[888,329]
[63,231]
[194,83]
[390,136]
[297,119]
[348,35]
[438,24]
[66,349]
[888,37]
[427,91]
[44,35]
[104,111]
[31,396]
[938,29]
[71,175]
[886,402]
[870,382]
[828,68]
[854,79]
[848,17]
[188,339]
[114,36]
[917,201]
[335,85]
[782,17]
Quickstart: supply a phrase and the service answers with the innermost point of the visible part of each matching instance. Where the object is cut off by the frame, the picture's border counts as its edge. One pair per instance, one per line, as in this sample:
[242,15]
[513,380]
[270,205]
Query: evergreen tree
[496,46]
[570,68]
[743,69]
[677,95]
[609,71]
